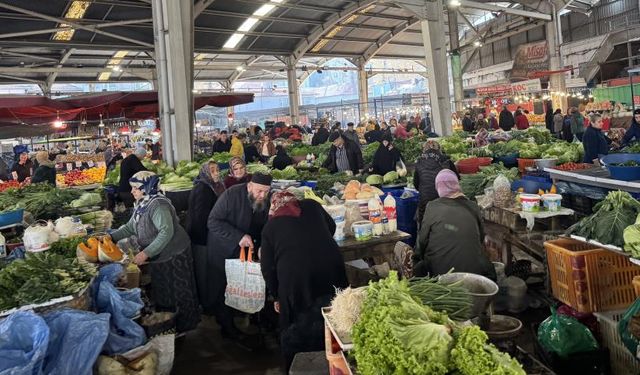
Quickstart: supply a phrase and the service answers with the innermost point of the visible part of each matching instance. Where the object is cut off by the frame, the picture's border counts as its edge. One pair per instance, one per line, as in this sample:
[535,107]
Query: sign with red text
[530,58]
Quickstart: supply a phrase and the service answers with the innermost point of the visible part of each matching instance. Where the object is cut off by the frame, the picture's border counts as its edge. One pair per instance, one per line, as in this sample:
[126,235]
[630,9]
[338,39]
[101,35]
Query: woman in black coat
[206,190]
[282,160]
[302,265]
[386,157]
[46,170]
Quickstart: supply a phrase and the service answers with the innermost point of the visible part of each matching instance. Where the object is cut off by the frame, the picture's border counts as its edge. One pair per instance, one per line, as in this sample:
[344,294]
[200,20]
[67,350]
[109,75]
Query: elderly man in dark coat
[235,221]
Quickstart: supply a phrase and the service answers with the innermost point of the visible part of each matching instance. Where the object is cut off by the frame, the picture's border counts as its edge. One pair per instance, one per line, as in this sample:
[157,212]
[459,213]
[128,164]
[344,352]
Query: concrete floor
[205,351]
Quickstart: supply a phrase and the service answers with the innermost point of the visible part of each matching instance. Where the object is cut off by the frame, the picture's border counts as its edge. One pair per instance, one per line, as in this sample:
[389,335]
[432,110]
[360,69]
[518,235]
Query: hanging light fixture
[58,124]
[101,124]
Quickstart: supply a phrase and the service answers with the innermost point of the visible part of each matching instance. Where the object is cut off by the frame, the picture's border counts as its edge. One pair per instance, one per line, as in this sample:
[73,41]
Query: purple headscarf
[447,184]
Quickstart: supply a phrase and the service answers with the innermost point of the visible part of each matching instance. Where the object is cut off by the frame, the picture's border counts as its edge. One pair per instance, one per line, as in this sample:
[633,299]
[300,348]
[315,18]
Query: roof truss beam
[74,24]
[102,25]
[495,8]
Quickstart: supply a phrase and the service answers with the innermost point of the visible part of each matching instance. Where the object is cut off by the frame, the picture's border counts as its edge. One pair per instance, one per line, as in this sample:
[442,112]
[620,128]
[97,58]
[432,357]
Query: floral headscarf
[233,162]
[284,203]
[431,150]
[205,177]
[147,182]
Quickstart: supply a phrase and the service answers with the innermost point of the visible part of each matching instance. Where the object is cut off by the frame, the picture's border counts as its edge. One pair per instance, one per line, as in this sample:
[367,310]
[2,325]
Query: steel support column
[173,39]
[434,41]
[557,82]
[456,66]
[294,91]
[363,91]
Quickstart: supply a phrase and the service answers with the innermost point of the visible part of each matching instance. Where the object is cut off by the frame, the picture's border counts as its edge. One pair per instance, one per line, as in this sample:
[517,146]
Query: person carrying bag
[245,285]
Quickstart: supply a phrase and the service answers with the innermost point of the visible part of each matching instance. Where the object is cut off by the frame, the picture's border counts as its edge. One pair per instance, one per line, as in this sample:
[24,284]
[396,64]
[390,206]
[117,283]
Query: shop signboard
[530,58]
[494,90]
[528,86]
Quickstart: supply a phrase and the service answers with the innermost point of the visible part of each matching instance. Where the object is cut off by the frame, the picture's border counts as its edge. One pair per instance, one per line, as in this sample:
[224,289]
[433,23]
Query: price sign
[69,166]
[90,163]
[102,164]
[78,164]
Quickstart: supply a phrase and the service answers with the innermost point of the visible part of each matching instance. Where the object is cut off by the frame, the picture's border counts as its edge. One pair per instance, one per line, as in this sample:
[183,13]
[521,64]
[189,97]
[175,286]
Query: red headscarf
[284,203]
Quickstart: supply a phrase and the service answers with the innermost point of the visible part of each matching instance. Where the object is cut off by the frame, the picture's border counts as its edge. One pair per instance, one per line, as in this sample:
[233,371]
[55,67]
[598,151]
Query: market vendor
[207,188]
[594,141]
[302,267]
[344,155]
[321,135]
[165,246]
[633,133]
[266,148]
[131,165]
[237,173]
[452,234]
[235,221]
[46,170]
[282,159]
[429,164]
[22,168]
[386,157]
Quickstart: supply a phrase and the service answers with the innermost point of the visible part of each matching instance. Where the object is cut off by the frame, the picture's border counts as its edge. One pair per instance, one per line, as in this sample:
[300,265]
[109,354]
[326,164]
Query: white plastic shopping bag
[245,285]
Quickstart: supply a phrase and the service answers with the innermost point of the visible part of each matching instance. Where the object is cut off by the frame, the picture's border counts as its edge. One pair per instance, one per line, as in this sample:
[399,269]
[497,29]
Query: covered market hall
[304,187]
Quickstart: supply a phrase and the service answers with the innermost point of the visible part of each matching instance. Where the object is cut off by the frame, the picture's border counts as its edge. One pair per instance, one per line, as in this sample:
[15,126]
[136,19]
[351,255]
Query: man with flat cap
[344,155]
[235,221]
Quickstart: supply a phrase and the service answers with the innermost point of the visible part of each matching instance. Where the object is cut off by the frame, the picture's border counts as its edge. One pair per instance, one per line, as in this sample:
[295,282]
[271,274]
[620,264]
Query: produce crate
[589,278]
[338,364]
[622,361]
[11,217]
[523,164]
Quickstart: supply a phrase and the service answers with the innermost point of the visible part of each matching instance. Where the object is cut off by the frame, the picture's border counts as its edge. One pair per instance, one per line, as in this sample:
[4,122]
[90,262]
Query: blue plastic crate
[311,184]
[509,161]
[530,186]
[541,179]
[405,207]
[11,217]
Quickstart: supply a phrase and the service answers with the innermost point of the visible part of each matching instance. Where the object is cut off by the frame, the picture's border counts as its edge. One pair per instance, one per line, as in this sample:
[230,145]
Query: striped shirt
[342,161]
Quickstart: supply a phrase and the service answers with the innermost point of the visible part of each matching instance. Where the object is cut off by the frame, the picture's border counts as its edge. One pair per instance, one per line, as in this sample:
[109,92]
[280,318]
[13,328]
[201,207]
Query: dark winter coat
[424,180]
[468,125]
[45,173]
[506,120]
[384,160]
[219,146]
[451,236]
[300,260]
[632,134]
[321,136]
[201,200]
[595,143]
[282,160]
[353,154]
[129,166]
[373,136]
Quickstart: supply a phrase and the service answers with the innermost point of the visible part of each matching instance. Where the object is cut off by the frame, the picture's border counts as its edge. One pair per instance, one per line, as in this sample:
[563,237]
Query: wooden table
[375,251]
[377,247]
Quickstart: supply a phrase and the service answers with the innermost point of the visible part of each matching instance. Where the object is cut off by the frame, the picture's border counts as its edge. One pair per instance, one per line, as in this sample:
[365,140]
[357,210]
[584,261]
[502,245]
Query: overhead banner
[522,87]
[529,59]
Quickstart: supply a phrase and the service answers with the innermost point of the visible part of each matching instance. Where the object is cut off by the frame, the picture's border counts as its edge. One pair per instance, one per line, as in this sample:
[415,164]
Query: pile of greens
[369,151]
[609,220]
[396,334]
[113,177]
[43,201]
[502,149]
[289,173]
[532,150]
[474,184]
[539,135]
[564,152]
[326,181]
[300,149]
[41,277]
[633,148]
[630,163]
[221,157]
[454,144]
[258,168]
[66,246]
[410,148]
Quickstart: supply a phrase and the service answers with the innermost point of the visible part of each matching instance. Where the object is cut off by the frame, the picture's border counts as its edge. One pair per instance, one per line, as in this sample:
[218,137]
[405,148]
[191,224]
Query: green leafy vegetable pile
[564,152]
[410,148]
[300,149]
[452,299]
[66,246]
[41,277]
[454,145]
[43,201]
[396,334]
[474,184]
[289,173]
[609,220]
[538,135]
[113,177]
[502,149]
[221,157]
[369,151]
[473,356]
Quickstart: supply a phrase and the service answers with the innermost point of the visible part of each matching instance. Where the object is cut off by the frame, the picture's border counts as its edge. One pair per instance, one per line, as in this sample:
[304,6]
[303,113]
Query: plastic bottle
[375,216]
[3,247]
[390,212]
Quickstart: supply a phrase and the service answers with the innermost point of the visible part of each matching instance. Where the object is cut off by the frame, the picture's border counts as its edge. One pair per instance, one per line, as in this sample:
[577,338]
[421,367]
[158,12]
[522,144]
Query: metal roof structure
[47,41]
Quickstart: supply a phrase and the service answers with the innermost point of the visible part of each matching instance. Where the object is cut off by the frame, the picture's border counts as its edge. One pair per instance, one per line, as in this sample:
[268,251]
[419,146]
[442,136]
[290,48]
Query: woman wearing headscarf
[386,157]
[46,170]
[451,235]
[302,266]
[428,165]
[206,190]
[165,246]
[237,173]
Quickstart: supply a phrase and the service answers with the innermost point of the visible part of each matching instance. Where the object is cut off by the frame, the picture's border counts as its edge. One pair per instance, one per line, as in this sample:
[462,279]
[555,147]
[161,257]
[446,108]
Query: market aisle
[204,351]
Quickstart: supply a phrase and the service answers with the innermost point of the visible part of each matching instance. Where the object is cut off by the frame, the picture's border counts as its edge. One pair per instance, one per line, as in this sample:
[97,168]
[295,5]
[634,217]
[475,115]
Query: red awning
[132,105]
